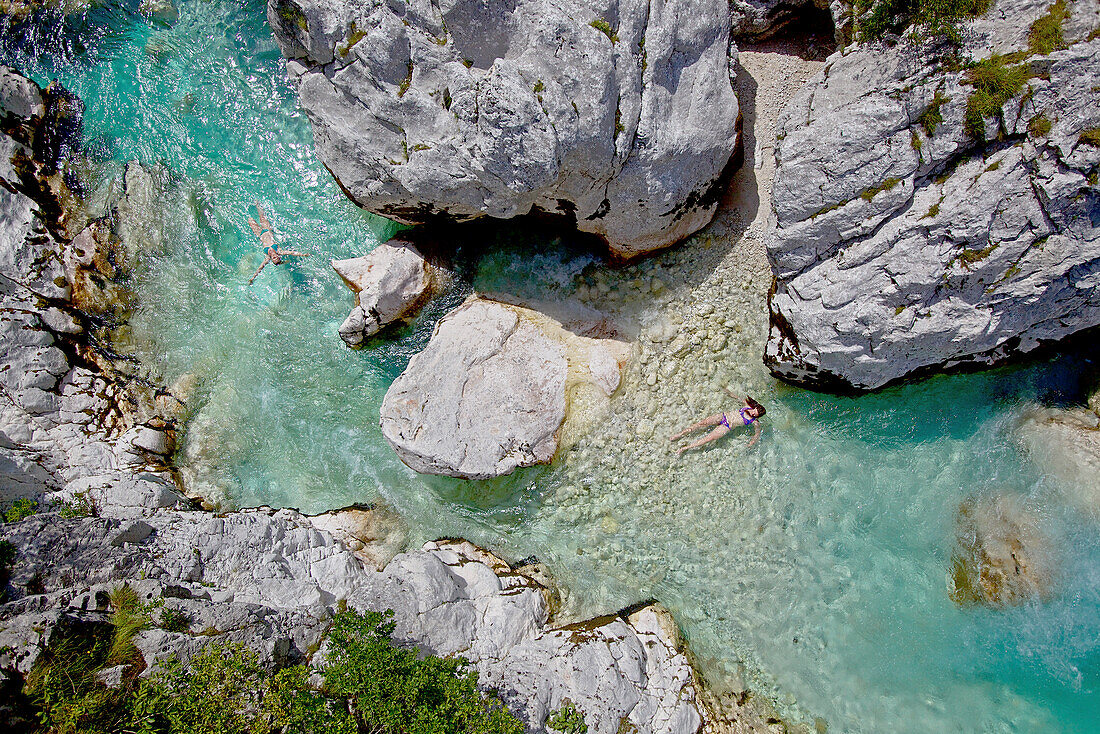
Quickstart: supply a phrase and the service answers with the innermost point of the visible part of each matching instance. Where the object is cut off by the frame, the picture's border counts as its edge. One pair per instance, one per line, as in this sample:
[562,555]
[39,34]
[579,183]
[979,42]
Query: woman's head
[756,407]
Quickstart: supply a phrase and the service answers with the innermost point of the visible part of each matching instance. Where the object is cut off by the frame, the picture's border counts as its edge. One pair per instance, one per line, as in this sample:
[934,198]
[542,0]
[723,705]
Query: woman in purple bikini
[272,254]
[749,415]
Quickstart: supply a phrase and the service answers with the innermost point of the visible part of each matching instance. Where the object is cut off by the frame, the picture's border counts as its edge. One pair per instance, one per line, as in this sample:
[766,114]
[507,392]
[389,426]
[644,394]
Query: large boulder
[920,224]
[621,116]
[390,283]
[494,387]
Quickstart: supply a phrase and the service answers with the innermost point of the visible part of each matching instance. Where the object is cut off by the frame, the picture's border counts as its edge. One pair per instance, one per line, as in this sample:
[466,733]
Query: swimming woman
[266,235]
[749,415]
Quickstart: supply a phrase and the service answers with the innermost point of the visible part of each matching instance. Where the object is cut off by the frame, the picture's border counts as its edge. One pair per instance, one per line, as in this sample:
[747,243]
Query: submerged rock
[914,233]
[1066,444]
[391,283]
[493,388]
[620,116]
[1002,556]
[374,533]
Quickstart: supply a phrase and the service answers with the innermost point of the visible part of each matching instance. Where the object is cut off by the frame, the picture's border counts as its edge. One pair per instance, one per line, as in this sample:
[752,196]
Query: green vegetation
[81,505]
[467,63]
[406,82]
[20,509]
[173,620]
[876,18]
[292,15]
[1045,34]
[933,211]
[995,82]
[538,87]
[605,28]
[1039,127]
[355,35]
[128,616]
[1090,137]
[992,166]
[370,685]
[884,186]
[567,719]
[970,257]
[8,554]
[932,116]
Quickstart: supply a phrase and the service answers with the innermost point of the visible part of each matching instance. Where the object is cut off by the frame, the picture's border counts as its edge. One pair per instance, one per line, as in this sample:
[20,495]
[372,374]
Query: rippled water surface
[811,567]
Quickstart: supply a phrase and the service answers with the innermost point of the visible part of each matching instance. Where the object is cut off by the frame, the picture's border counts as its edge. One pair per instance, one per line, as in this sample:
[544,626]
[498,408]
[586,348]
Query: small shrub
[81,505]
[605,28]
[567,719]
[20,509]
[173,620]
[932,115]
[1045,34]
[62,685]
[1039,127]
[395,690]
[876,18]
[405,83]
[995,82]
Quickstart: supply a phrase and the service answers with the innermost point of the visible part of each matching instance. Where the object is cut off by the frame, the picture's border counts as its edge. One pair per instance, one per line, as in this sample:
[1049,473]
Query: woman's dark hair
[753,404]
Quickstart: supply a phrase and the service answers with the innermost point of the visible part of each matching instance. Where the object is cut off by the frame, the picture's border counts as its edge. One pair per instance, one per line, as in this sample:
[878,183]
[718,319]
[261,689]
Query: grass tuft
[605,28]
[995,82]
[1045,35]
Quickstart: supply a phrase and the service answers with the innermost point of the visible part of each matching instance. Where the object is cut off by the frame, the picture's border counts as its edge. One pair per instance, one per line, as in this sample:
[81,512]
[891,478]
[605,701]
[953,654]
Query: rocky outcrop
[621,116]
[449,598]
[391,283]
[930,216]
[1002,557]
[492,390]
[72,429]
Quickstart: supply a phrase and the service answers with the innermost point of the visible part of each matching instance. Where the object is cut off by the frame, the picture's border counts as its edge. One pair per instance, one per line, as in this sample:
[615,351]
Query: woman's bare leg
[263,220]
[707,422]
[256,229]
[714,435]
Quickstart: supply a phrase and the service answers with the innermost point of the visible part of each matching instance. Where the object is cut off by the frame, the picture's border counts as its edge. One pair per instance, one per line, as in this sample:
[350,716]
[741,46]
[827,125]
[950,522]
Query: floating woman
[749,415]
[266,235]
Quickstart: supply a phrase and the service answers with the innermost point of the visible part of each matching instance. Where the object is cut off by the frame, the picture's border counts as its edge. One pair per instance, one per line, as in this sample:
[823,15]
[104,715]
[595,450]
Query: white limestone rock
[391,283]
[496,108]
[271,580]
[491,391]
[898,251]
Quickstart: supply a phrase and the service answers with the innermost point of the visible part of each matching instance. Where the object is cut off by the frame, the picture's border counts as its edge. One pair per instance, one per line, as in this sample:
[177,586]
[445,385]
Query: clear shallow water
[812,567]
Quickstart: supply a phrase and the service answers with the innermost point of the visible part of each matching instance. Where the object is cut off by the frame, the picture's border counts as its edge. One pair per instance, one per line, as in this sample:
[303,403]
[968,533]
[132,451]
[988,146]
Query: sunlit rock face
[493,389]
[621,117]
[909,238]
[1002,557]
[390,283]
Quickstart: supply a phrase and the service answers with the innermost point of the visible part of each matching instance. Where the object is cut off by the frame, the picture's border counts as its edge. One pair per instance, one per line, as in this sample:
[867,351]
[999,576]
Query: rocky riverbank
[90,441]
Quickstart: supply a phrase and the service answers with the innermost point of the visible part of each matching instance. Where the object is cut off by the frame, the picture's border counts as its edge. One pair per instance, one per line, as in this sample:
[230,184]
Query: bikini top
[748,421]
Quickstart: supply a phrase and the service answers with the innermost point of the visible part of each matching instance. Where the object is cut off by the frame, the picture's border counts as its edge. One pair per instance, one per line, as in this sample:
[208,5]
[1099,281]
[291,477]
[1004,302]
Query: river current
[811,568]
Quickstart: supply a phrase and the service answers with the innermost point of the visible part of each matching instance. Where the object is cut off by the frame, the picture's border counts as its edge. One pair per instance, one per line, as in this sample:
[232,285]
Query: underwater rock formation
[621,117]
[390,283]
[1066,443]
[1002,556]
[930,215]
[493,388]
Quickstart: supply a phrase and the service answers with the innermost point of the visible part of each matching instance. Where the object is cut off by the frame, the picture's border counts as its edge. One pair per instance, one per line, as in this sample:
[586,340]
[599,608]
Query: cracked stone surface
[901,249]
[271,580]
[496,108]
[67,427]
[491,391]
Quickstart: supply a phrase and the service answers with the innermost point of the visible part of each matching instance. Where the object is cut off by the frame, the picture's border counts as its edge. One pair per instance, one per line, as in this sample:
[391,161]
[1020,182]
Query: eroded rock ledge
[620,116]
[909,239]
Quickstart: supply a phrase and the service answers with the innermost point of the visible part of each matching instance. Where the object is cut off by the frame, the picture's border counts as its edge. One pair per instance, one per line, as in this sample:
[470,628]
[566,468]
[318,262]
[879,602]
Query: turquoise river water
[811,568]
